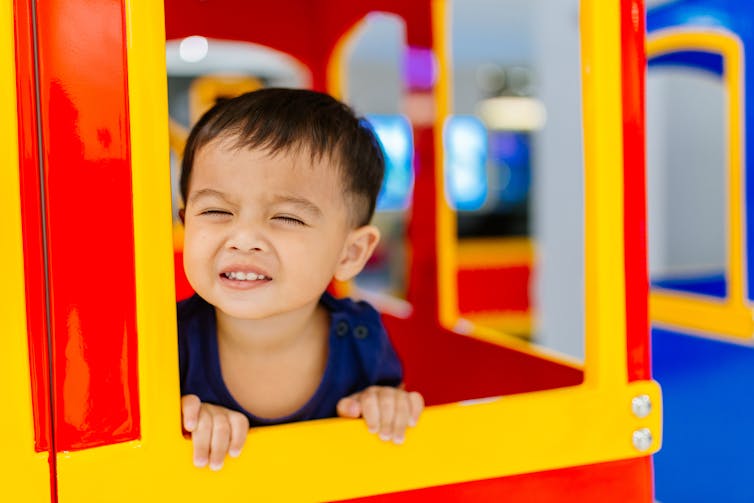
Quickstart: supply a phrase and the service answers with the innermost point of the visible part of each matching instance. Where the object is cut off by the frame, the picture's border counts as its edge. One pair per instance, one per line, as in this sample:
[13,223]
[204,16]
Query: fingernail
[353,409]
[215,466]
[411,421]
[200,462]
[234,453]
[372,429]
[398,440]
[190,425]
[384,436]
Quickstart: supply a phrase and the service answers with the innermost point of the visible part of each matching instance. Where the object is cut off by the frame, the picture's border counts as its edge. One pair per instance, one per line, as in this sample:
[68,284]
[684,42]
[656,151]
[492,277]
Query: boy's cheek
[191,264]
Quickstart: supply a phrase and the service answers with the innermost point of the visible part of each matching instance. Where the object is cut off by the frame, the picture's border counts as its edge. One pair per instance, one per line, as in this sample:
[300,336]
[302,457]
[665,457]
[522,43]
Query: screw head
[642,439]
[641,406]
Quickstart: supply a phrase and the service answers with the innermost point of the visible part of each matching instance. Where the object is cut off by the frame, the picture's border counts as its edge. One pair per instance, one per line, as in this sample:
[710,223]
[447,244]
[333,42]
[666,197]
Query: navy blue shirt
[360,355]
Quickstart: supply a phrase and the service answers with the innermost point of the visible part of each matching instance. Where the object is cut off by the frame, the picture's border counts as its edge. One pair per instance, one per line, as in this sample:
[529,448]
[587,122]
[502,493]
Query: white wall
[686,172]
[558,179]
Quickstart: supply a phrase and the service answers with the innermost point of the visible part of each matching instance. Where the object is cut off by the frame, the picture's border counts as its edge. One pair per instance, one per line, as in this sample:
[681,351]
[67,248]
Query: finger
[416,402]
[370,409]
[200,437]
[239,430]
[387,412]
[349,406]
[190,405]
[402,417]
[220,442]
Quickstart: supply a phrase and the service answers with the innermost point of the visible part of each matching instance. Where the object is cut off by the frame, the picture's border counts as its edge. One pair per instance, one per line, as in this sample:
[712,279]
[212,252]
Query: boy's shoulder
[364,347]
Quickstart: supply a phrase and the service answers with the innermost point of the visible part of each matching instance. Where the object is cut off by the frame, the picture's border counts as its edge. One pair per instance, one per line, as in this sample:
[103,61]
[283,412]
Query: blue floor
[708,419]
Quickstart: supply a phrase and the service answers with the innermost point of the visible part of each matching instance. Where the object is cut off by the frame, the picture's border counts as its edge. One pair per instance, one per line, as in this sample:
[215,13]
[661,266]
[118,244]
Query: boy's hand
[215,431]
[386,410]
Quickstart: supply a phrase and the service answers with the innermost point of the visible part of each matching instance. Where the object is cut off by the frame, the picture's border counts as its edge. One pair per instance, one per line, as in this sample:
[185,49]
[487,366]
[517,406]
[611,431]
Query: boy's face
[263,235]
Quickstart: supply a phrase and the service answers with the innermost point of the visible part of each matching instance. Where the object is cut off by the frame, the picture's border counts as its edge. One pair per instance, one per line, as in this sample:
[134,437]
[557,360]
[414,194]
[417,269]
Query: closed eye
[214,212]
[289,220]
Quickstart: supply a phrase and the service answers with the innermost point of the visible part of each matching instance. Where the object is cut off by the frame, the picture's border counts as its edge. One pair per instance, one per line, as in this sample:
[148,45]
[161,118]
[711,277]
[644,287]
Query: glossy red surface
[449,367]
[500,290]
[635,218]
[85,137]
[628,481]
[423,287]
[31,216]
[306,30]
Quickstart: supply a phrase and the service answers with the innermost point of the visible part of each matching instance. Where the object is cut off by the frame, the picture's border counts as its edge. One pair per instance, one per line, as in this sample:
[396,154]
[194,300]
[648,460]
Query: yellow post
[605,301]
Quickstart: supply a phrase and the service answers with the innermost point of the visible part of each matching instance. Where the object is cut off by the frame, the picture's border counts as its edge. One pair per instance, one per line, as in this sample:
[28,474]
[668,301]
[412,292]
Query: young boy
[279,187]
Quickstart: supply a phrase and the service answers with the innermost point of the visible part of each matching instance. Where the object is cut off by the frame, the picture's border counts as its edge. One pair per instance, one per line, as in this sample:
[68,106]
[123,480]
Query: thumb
[349,407]
[190,405]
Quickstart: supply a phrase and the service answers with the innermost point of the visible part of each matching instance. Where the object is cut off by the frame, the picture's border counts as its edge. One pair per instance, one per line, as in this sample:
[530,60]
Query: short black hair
[279,119]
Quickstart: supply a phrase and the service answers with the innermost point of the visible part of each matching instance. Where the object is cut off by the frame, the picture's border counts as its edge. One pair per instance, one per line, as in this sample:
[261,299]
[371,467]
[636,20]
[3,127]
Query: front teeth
[245,276]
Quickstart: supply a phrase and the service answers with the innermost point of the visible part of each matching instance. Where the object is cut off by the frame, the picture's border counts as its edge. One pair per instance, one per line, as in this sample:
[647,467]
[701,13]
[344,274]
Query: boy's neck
[275,333]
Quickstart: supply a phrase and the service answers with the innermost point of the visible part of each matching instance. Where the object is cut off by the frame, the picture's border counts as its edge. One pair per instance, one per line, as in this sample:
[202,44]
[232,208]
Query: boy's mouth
[244,276]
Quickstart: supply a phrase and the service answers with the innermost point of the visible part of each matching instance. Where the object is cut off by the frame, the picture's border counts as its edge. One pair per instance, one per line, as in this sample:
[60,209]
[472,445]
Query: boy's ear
[359,246]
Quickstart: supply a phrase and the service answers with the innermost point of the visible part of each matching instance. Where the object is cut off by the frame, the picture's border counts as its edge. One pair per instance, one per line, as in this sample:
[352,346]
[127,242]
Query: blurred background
[513,150]
[512,144]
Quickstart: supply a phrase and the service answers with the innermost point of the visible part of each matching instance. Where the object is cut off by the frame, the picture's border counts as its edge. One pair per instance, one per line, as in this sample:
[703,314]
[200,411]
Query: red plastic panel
[447,367]
[87,178]
[498,290]
[628,481]
[311,28]
[635,217]
[31,215]
[423,287]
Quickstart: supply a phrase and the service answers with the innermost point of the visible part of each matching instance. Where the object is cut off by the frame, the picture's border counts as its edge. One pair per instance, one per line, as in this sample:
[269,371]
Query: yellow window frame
[335,458]
[730,316]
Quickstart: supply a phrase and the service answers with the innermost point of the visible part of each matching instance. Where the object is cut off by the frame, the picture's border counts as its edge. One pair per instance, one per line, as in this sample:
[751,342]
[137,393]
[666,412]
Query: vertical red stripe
[635,218]
[31,219]
[422,290]
[84,107]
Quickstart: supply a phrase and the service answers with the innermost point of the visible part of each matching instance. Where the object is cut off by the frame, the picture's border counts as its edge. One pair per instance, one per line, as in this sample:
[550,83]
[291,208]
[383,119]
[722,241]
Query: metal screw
[642,439]
[641,406]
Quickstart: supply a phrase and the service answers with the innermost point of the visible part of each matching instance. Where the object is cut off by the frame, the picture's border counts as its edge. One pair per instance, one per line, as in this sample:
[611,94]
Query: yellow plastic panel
[603,173]
[24,474]
[335,459]
[446,220]
[495,252]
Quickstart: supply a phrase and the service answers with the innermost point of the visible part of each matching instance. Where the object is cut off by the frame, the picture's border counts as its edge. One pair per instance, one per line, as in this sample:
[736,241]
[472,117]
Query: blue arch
[701,60]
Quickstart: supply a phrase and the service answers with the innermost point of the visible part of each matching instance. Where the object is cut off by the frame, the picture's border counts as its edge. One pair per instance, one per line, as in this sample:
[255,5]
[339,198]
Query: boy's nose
[246,239]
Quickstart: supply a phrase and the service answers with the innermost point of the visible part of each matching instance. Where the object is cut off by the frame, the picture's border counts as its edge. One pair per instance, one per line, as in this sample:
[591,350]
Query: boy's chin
[246,312]
[258,311]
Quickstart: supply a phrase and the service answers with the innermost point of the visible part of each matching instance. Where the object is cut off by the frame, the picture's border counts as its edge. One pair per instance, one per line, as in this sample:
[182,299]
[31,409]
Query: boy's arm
[215,431]
[386,410]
